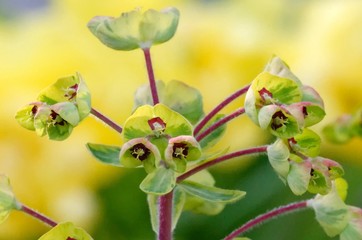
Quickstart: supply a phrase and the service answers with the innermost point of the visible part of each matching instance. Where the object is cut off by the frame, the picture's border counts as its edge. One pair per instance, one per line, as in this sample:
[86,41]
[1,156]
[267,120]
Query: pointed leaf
[210,193]
[159,182]
[105,153]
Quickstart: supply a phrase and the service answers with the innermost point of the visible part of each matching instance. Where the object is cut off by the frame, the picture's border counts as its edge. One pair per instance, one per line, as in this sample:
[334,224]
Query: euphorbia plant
[171,138]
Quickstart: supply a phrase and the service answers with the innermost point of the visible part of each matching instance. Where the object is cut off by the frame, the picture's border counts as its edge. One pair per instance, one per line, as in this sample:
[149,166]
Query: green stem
[165,216]
[265,217]
[223,158]
[151,75]
[217,109]
[219,123]
[106,120]
[38,215]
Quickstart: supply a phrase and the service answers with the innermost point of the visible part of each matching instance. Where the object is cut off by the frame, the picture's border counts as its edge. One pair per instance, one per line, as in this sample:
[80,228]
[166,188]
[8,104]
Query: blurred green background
[219,47]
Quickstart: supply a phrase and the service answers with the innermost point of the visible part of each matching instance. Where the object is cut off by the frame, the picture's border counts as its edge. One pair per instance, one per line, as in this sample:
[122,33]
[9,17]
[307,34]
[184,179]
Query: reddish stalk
[38,216]
[165,216]
[151,75]
[265,217]
[217,109]
[219,123]
[106,120]
[223,158]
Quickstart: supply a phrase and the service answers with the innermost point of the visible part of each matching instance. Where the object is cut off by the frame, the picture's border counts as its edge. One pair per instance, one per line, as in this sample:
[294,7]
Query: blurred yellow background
[219,47]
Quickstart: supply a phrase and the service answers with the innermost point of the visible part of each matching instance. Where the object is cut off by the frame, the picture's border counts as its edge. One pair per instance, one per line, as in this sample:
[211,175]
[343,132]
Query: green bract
[64,231]
[7,198]
[180,150]
[331,212]
[69,89]
[60,108]
[353,231]
[140,151]
[176,95]
[135,29]
[156,121]
[276,66]
[308,143]
[278,155]
[269,89]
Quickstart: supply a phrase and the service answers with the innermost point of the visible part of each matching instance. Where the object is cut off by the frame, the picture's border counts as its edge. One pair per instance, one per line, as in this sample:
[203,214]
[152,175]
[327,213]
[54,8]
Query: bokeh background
[219,47]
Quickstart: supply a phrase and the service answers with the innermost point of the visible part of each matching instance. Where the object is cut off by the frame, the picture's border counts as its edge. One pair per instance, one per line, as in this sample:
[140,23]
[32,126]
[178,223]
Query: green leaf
[278,154]
[213,138]
[177,206]
[331,212]
[105,153]
[159,182]
[66,230]
[210,193]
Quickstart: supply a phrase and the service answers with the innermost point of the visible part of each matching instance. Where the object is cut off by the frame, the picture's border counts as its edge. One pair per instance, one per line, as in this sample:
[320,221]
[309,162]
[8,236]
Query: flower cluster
[279,102]
[156,132]
[58,109]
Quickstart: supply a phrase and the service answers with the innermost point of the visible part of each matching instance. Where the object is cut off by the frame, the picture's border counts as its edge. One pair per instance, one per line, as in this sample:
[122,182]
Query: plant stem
[165,216]
[151,75]
[265,217]
[217,109]
[106,120]
[219,123]
[38,215]
[223,158]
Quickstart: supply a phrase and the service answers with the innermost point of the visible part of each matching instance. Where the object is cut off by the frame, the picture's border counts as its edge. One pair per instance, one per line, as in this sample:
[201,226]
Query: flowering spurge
[66,230]
[297,163]
[7,198]
[282,105]
[60,107]
[134,29]
[335,217]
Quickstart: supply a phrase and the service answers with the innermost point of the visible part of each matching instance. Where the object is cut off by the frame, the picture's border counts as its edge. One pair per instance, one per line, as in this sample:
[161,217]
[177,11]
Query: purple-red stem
[219,123]
[106,120]
[151,75]
[265,217]
[165,216]
[217,109]
[221,159]
[38,216]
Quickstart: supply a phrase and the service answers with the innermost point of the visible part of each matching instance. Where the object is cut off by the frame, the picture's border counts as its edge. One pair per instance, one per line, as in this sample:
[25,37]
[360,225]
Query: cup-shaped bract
[66,230]
[267,89]
[69,89]
[155,121]
[180,150]
[135,29]
[276,66]
[140,151]
[281,121]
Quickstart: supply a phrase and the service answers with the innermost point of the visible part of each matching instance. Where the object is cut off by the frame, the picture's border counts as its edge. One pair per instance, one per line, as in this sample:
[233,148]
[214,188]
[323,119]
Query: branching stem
[223,158]
[151,75]
[106,120]
[267,216]
[219,123]
[217,109]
